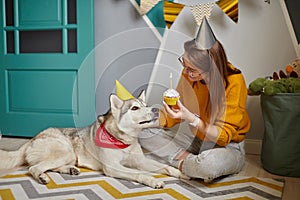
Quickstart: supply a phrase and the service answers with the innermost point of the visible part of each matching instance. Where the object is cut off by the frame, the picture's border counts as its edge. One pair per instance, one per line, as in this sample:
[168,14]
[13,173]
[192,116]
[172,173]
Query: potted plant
[280,104]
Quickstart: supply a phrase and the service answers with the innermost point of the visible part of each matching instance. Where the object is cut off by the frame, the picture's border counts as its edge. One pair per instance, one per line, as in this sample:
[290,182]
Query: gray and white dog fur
[63,150]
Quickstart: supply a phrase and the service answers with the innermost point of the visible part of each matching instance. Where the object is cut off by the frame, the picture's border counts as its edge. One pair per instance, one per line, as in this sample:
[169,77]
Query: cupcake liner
[171,101]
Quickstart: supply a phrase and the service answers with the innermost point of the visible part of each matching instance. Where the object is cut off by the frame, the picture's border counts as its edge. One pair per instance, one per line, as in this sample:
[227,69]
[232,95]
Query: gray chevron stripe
[90,194]
[188,187]
[203,194]
[33,194]
[126,183]
[185,185]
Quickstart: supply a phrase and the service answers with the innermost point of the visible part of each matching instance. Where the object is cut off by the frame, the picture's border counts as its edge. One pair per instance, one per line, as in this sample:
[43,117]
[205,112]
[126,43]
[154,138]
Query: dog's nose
[155,110]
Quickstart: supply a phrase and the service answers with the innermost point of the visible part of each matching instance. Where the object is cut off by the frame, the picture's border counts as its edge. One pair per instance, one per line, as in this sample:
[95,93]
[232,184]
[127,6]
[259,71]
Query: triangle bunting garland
[147,5]
[201,10]
[161,14]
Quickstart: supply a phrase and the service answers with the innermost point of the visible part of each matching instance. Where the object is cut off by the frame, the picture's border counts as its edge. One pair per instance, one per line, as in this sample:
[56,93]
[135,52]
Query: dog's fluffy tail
[13,159]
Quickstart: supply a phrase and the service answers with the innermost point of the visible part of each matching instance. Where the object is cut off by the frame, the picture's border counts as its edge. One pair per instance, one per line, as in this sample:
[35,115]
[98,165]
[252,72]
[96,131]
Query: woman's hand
[179,113]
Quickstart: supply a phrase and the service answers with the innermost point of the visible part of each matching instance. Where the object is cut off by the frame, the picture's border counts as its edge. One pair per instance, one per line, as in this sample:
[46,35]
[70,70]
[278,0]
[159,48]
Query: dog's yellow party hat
[122,92]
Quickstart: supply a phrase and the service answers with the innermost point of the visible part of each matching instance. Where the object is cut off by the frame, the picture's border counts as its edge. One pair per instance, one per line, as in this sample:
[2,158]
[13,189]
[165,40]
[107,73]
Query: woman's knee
[212,164]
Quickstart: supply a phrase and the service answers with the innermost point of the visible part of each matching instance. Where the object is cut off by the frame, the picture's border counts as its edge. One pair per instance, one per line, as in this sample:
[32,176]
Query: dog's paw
[151,181]
[156,184]
[74,171]
[43,179]
[172,171]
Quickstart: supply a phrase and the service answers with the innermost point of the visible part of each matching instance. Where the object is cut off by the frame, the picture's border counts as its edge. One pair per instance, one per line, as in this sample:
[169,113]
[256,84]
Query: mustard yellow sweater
[194,97]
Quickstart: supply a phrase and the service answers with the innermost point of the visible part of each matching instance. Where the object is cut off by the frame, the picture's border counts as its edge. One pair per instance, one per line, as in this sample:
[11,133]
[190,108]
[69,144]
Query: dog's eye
[135,108]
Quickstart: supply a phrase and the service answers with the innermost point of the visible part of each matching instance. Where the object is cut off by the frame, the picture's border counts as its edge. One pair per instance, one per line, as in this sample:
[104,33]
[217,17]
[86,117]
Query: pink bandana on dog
[106,140]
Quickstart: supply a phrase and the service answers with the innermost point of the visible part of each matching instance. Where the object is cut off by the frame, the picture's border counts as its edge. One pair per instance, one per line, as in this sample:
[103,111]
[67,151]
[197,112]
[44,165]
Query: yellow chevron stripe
[116,193]
[161,176]
[81,170]
[16,175]
[6,194]
[86,170]
[252,179]
[209,185]
[241,198]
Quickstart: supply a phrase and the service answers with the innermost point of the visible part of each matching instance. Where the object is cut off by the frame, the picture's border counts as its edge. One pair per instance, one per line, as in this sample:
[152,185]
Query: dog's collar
[106,140]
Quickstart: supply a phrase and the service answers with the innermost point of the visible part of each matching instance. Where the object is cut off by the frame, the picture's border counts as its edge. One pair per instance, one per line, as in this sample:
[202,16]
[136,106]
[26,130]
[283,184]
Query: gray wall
[125,49]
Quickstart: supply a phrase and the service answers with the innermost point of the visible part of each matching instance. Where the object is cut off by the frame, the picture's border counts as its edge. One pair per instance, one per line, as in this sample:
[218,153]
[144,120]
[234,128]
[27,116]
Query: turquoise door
[46,68]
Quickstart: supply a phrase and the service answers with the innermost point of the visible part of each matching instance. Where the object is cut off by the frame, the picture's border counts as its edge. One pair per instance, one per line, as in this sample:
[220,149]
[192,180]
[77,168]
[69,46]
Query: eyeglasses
[189,69]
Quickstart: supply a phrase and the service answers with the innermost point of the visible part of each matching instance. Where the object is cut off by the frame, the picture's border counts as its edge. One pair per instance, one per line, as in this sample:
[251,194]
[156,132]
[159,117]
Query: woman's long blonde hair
[214,62]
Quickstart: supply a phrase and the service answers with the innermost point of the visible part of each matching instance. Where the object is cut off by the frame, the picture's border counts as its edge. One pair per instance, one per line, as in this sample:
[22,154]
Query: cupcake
[171,96]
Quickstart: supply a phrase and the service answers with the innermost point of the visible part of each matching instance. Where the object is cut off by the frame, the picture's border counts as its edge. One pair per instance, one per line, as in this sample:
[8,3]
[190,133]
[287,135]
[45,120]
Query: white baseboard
[253,146]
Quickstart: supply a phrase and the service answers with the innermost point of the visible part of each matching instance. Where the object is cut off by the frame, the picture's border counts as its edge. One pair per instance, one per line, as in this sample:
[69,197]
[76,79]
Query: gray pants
[207,160]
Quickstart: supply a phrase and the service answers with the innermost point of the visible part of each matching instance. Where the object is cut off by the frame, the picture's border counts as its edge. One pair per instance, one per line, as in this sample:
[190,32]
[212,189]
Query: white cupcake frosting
[171,93]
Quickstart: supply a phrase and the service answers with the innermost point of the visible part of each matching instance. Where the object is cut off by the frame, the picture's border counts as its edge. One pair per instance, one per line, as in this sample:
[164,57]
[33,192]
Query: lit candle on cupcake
[171,96]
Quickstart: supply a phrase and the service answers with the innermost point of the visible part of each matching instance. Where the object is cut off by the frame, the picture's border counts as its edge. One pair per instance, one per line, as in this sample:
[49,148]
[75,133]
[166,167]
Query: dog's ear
[142,96]
[115,102]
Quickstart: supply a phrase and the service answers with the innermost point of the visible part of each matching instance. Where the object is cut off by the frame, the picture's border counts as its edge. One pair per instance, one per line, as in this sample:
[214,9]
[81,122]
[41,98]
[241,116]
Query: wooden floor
[251,168]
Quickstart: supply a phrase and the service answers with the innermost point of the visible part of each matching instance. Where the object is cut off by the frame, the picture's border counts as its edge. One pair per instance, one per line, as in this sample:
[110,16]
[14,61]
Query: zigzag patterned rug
[93,185]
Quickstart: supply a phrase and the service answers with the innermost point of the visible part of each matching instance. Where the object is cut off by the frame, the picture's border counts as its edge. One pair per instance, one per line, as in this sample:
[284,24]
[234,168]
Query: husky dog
[109,145]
